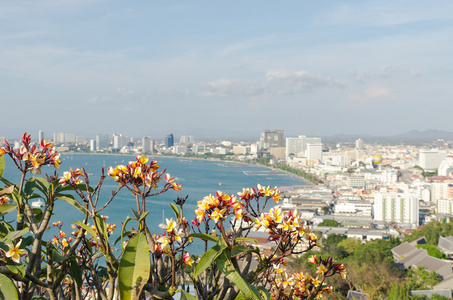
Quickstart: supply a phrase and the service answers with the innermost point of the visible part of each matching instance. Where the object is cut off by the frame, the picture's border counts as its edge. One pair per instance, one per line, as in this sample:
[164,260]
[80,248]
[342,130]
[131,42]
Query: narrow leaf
[186,296]
[76,273]
[207,259]
[7,289]
[246,239]
[7,208]
[175,209]
[239,249]
[16,268]
[205,236]
[133,272]
[143,215]
[102,228]
[2,165]
[70,199]
[87,228]
[15,234]
[29,187]
[226,267]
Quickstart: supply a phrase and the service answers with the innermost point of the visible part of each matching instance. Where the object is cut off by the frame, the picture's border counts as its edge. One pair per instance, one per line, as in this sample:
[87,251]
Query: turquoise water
[197,177]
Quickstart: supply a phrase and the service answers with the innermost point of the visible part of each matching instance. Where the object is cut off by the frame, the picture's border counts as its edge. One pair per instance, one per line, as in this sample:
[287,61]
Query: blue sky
[225,69]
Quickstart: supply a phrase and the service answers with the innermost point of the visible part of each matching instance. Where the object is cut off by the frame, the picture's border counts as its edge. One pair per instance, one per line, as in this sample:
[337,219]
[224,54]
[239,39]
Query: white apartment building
[70,138]
[445,206]
[363,208]
[431,159]
[298,146]
[389,176]
[119,141]
[178,149]
[314,151]
[147,145]
[198,149]
[401,208]
[441,190]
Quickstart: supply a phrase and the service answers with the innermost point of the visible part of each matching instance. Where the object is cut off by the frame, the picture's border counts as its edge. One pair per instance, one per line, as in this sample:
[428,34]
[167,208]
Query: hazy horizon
[226,69]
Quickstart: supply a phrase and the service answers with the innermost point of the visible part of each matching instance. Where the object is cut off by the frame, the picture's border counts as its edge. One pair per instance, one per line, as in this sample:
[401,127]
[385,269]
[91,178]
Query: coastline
[201,159]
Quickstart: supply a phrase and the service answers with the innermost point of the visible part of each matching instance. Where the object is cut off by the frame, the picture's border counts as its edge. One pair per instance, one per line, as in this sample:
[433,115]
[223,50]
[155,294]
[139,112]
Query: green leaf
[70,199]
[143,215]
[2,165]
[76,273]
[186,296]
[57,257]
[175,209]
[208,258]
[7,208]
[16,268]
[29,187]
[42,185]
[226,267]
[7,289]
[122,231]
[102,228]
[264,292]
[15,234]
[16,197]
[135,214]
[246,239]
[134,268]
[87,228]
[239,249]
[205,236]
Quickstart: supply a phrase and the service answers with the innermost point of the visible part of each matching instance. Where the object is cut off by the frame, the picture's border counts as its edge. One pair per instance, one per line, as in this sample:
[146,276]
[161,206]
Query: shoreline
[304,180]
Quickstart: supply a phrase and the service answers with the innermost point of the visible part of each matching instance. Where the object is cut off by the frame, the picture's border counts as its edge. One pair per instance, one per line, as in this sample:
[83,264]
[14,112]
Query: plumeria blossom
[72,177]
[140,172]
[15,253]
[170,180]
[170,226]
[187,258]
[33,157]
[4,200]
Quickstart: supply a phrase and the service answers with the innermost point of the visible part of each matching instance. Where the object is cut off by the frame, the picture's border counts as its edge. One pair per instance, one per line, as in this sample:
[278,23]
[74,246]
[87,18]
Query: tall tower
[40,136]
[169,140]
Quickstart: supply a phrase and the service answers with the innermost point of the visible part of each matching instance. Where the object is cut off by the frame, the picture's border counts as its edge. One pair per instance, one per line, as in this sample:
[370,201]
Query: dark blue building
[169,140]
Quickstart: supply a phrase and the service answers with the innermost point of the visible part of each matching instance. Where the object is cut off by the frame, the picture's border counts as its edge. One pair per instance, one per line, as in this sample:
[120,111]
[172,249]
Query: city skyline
[226,69]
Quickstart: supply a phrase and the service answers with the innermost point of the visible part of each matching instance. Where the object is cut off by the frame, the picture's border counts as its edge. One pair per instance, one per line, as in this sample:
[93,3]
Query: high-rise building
[396,207]
[314,151]
[186,139]
[169,140]
[298,146]
[272,138]
[119,141]
[431,159]
[198,148]
[40,136]
[102,141]
[58,138]
[92,145]
[70,138]
[147,145]
[359,144]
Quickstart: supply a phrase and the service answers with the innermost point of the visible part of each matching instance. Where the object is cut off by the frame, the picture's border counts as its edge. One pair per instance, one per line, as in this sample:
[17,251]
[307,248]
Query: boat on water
[38,204]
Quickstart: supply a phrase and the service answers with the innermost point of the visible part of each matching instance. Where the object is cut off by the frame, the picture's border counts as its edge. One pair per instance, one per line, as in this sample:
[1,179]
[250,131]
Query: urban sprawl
[373,191]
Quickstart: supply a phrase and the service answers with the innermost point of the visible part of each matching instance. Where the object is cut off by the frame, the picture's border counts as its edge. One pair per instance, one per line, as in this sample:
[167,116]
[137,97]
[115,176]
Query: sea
[197,177]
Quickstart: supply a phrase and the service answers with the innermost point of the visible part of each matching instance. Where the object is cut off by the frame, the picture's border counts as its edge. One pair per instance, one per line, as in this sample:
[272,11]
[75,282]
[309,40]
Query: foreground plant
[83,264]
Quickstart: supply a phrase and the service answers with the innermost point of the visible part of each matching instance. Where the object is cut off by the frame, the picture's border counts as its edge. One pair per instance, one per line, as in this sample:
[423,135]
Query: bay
[197,177]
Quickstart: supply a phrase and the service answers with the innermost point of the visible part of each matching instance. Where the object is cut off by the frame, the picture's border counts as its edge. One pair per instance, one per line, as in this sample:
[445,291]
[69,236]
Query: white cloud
[274,83]
[378,92]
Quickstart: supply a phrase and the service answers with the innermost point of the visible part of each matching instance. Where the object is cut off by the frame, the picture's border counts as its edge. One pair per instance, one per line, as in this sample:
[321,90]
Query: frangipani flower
[188,260]
[15,253]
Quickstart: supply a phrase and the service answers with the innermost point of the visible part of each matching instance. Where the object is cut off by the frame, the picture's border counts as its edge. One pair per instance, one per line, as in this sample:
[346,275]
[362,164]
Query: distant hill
[413,137]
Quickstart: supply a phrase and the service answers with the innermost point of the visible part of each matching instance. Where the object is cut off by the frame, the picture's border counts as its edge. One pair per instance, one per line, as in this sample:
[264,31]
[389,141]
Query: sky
[225,68]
